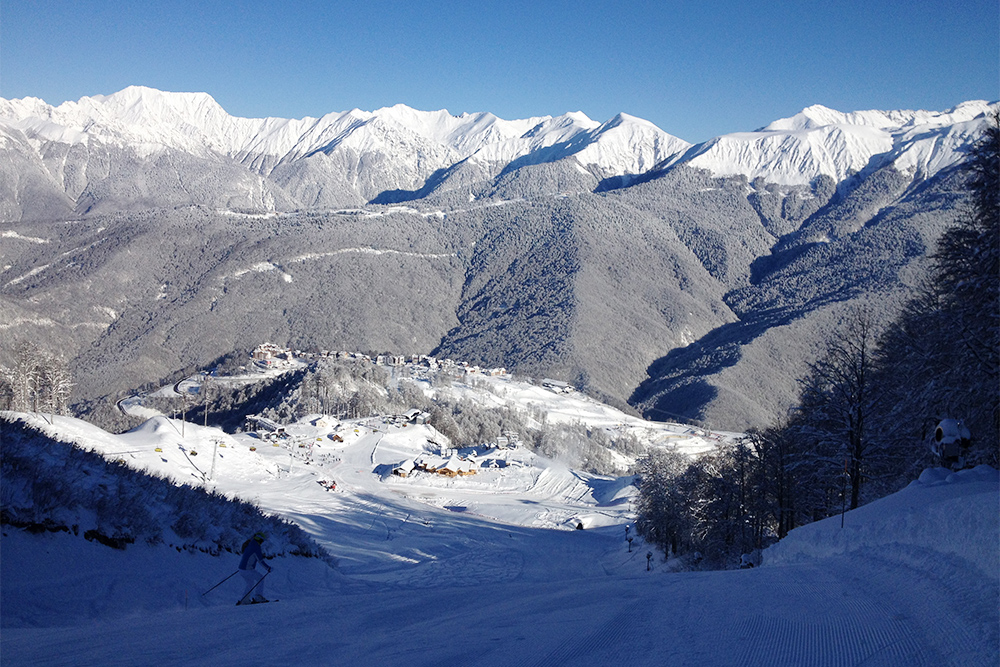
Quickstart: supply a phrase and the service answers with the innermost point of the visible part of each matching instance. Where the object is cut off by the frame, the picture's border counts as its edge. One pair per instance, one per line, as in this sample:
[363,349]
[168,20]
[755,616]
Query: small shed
[404,469]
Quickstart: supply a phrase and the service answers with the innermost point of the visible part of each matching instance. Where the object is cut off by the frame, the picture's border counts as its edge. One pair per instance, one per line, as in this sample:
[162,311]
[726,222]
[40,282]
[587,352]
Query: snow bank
[942,515]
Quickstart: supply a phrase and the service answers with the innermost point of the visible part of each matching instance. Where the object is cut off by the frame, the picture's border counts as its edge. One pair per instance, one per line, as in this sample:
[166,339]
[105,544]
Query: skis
[241,604]
[252,588]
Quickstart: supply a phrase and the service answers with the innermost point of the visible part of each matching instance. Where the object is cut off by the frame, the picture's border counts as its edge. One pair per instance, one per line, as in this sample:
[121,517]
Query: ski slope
[487,570]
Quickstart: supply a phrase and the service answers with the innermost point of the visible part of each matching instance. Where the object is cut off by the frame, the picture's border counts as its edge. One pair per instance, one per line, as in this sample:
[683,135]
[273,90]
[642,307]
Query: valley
[634,266]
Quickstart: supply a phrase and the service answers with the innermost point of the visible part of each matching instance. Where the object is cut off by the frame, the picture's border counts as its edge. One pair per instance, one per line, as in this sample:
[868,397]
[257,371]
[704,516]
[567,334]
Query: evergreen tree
[941,358]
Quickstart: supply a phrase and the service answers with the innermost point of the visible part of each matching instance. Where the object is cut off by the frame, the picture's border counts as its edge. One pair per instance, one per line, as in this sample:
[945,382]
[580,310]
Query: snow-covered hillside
[480,570]
[509,483]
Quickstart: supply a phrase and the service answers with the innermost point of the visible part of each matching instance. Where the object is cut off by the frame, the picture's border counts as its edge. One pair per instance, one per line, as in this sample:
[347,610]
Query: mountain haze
[145,231]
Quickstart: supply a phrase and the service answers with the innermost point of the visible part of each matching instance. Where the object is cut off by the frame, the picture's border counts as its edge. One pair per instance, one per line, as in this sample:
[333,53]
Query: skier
[252,554]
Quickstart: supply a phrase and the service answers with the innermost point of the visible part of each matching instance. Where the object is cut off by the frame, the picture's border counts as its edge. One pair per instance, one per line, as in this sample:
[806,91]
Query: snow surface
[484,570]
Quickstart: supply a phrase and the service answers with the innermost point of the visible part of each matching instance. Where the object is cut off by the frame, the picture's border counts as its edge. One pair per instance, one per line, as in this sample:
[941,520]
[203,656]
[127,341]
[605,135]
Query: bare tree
[6,391]
[662,506]
[55,383]
[24,376]
[839,399]
[37,380]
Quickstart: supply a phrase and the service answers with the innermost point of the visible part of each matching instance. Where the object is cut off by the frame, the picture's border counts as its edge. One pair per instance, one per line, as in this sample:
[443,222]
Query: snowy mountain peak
[817,116]
[568,122]
[626,119]
[819,141]
[153,98]
[137,106]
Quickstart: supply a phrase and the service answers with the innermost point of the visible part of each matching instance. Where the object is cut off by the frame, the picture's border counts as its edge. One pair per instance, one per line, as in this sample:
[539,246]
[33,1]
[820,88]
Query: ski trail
[616,635]
[866,638]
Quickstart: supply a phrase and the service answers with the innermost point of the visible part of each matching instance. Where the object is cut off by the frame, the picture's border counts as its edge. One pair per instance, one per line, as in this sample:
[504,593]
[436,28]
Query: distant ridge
[400,149]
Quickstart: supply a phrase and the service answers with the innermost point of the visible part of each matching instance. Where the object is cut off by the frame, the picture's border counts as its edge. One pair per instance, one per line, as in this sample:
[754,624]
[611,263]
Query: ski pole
[252,587]
[221,582]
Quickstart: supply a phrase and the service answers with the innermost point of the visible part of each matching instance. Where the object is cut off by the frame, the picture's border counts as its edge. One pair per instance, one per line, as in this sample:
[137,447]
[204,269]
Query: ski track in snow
[458,612]
[424,578]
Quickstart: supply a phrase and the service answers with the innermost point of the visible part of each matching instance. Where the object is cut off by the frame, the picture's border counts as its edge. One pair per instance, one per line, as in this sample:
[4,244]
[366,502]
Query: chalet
[415,416]
[557,386]
[404,469]
[456,467]
[452,466]
[428,464]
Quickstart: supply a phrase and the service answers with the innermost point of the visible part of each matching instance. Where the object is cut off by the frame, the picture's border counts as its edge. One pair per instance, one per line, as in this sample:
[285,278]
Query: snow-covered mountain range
[395,148]
[351,157]
[613,255]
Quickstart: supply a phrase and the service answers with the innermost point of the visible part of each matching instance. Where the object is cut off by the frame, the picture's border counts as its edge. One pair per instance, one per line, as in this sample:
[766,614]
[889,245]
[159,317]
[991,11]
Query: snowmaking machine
[951,443]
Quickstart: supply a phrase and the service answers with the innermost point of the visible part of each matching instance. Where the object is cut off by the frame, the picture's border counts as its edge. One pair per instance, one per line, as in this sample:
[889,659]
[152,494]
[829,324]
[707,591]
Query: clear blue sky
[696,68]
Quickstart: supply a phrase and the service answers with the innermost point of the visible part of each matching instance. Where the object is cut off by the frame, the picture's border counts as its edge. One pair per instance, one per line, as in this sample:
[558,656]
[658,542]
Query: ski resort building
[557,386]
[263,425]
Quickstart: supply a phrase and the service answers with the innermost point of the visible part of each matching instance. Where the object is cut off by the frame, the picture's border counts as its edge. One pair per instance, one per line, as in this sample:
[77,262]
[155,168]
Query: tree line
[867,407]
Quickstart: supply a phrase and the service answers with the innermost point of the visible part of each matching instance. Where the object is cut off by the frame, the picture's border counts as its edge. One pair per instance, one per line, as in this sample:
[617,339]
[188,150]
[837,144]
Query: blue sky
[697,69]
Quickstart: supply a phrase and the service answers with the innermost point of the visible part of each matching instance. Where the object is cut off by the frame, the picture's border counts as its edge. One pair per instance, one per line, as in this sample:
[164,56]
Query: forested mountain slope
[146,231]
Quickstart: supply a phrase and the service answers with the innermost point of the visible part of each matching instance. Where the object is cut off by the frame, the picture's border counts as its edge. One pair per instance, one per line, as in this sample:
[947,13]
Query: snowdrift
[942,515]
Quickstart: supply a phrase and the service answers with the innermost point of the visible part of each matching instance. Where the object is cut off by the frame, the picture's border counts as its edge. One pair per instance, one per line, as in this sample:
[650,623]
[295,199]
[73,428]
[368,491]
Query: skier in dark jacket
[252,555]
